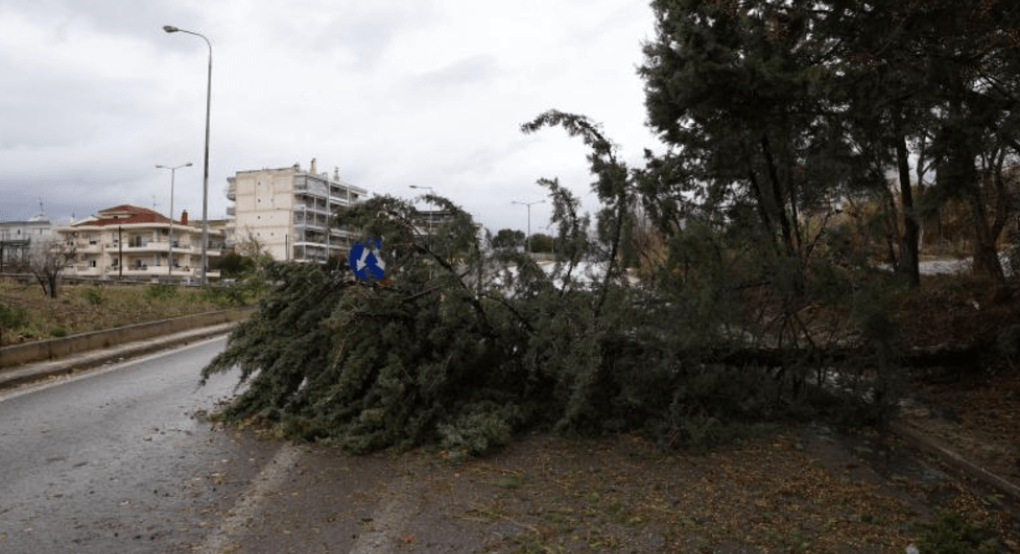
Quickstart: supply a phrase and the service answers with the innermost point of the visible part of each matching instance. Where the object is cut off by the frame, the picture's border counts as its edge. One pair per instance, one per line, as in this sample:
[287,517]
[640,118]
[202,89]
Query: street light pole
[552,239]
[205,177]
[529,204]
[170,247]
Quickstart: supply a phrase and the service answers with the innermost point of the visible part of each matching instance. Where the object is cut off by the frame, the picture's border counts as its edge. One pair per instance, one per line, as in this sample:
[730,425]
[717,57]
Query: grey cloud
[463,72]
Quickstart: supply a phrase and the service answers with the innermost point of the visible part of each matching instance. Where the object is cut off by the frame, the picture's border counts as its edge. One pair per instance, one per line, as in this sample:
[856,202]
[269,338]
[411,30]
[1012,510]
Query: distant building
[16,238]
[427,221]
[134,243]
[287,211]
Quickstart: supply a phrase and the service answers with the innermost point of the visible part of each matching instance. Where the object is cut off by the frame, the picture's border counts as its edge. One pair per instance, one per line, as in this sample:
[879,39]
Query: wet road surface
[116,461]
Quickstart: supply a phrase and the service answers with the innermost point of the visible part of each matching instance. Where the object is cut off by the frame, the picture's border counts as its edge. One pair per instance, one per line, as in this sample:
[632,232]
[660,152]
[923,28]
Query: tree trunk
[892,229]
[986,236]
[909,262]
[963,176]
[779,203]
[1003,199]
[52,279]
[763,211]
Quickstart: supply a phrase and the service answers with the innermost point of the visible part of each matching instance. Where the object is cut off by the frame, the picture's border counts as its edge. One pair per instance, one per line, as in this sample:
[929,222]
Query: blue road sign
[365,259]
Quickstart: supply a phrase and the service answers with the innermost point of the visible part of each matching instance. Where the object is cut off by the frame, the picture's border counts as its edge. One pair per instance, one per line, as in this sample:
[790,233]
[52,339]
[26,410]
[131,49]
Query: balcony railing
[87,271]
[89,248]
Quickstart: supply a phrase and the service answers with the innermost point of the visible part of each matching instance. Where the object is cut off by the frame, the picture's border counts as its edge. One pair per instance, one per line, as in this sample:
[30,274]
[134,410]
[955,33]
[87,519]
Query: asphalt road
[117,461]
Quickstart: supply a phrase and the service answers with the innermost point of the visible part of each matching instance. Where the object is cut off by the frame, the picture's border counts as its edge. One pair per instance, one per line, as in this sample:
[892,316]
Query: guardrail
[43,350]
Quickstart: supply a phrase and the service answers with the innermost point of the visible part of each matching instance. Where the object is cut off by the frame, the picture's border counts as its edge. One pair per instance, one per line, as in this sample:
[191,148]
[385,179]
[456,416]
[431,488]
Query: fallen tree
[463,345]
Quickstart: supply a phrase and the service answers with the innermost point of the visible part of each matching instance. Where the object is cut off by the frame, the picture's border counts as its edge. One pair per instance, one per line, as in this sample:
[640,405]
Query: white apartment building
[17,237]
[130,242]
[287,210]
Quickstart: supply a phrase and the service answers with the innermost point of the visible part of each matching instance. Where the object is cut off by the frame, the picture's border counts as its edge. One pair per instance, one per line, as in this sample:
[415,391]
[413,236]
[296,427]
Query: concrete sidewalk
[20,375]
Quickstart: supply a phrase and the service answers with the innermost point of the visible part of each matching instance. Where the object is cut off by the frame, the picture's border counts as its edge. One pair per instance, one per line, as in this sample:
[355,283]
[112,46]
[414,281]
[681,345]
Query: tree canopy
[785,106]
[731,278]
[508,238]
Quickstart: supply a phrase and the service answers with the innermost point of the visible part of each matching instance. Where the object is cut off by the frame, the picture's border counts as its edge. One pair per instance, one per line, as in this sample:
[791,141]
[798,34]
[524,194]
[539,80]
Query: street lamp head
[170,28]
[187,164]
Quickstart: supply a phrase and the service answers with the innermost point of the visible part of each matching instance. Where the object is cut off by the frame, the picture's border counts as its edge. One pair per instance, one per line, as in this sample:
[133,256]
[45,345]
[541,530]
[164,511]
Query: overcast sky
[393,92]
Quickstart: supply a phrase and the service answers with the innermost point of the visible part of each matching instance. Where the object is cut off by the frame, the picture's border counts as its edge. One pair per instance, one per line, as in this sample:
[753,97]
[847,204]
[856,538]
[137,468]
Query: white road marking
[269,480]
[386,525]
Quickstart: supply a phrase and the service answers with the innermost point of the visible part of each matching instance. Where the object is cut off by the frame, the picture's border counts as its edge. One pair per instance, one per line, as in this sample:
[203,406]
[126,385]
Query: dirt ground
[806,489]
[975,408]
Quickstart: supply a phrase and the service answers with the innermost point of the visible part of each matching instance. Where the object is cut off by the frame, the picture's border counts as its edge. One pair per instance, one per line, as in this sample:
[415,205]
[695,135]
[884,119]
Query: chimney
[184,217]
[312,169]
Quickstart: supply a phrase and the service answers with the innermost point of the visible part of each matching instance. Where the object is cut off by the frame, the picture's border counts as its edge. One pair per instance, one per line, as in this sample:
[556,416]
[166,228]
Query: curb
[91,359]
[31,352]
[953,458]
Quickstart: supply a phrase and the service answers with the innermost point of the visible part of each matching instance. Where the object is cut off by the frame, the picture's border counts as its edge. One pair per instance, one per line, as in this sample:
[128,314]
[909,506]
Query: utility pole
[170,239]
[528,204]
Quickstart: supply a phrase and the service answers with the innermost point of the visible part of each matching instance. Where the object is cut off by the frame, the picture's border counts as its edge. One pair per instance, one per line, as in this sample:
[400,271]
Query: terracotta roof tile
[135,214]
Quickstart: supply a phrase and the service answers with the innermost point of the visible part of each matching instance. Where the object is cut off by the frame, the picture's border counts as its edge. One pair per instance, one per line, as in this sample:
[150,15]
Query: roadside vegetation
[28,314]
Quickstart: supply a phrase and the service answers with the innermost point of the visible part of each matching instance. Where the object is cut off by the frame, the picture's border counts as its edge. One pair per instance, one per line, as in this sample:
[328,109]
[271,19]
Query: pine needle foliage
[464,345]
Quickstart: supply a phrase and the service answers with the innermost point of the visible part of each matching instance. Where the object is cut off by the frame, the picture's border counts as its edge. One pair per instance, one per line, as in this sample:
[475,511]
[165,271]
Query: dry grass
[83,308]
[786,492]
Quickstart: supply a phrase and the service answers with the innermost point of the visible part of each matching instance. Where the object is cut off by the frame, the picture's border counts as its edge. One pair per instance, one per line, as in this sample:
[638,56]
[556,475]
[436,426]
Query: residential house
[16,238]
[130,242]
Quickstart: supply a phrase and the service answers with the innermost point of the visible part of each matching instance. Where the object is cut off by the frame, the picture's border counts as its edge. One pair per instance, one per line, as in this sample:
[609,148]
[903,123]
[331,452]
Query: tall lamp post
[529,204]
[552,238]
[170,247]
[205,177]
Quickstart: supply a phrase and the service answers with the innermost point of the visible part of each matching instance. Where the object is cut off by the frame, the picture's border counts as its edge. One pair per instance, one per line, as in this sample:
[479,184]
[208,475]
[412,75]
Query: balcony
[157,272]
[87,271]
[92,247]
[310,187]
[231,192]
[311,208]
[232,211]
[309,224]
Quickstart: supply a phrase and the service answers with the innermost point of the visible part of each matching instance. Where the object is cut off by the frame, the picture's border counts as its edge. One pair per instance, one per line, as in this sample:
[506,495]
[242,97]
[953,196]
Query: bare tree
[253,248]
[47,260]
